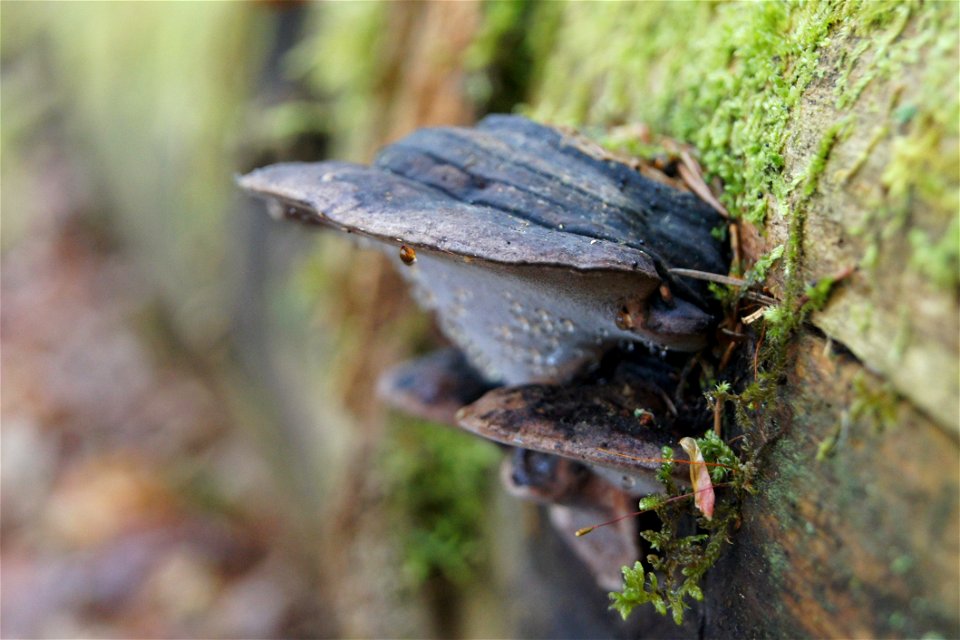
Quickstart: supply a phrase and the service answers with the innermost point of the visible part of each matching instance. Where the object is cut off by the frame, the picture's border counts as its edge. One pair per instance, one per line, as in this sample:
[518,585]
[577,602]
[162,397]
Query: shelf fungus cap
[613,427]
[577,498]
[433,387]
[535,255]
[618,426]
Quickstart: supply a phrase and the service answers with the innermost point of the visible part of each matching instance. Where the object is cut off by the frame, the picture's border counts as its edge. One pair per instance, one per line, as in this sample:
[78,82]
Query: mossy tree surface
[834,129]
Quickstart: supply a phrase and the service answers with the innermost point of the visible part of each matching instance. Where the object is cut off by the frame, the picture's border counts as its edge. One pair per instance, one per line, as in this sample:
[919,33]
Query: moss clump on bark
[679,562]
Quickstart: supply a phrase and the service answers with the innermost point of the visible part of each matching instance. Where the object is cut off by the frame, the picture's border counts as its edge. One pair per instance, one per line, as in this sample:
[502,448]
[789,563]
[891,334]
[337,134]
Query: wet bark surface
[854,530]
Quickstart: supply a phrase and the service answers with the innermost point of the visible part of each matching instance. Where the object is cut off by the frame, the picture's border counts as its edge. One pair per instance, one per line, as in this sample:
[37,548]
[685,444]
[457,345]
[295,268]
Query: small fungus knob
[624,320]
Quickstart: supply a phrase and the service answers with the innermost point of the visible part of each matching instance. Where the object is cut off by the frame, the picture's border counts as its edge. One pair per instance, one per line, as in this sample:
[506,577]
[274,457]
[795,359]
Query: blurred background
[189,441]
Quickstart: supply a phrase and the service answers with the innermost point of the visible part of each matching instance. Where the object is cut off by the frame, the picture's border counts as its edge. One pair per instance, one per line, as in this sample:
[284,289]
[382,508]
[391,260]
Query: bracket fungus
[577,498]
[537,257]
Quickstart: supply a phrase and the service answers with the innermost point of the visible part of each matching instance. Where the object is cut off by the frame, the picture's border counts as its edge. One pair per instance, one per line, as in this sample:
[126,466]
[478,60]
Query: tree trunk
[834,128]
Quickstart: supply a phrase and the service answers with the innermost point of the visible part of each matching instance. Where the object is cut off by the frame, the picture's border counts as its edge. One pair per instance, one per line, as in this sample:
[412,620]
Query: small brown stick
[709,277]
[666,460]
[727,280]
[759,297]
[717,416]
[736,335]
[735,245]
[672,408]
[727,354]
[585,530]
[753,317]
[756,354]
[689,169]
[681,386]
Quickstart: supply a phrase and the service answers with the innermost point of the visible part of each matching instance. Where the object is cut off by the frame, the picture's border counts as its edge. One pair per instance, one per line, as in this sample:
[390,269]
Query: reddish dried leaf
[700,478]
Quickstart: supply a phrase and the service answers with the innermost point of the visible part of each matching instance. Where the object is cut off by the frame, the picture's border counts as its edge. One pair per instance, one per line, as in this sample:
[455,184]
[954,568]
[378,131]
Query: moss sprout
[677,564]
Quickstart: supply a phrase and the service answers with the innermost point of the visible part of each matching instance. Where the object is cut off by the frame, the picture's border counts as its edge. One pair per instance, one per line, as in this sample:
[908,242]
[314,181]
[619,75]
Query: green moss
[777,560]
[732,90]
[811,177]
[874,403]
[343,62]
[678,563]
[793,310]
[758,272]
[891,17]
[439,484]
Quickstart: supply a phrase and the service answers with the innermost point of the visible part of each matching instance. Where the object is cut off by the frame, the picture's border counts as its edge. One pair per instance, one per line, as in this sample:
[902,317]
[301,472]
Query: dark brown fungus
[544,478]
[604,424]
[437,385]
[538,257]
[577,498]
[433,387]
[628,413]
[526,246]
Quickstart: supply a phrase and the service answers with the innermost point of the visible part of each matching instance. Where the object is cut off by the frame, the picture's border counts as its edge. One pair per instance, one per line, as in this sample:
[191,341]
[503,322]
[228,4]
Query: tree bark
[854,532]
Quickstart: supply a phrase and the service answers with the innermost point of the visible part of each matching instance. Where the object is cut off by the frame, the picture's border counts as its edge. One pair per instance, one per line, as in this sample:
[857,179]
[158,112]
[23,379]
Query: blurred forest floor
[131,506]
